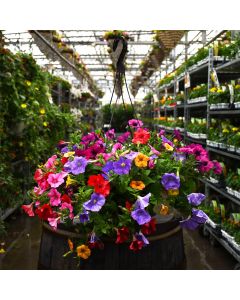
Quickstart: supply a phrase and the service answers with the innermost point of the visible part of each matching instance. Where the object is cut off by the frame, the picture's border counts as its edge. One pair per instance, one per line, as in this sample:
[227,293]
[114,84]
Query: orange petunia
[83,252]
[141,160]
[164,210]
[70,245]
[137,185]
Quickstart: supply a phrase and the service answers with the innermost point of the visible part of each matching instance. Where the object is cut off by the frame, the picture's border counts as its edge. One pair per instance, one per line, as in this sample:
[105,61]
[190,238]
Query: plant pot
[165,251]
[237,194]
[222,146]
[237,150]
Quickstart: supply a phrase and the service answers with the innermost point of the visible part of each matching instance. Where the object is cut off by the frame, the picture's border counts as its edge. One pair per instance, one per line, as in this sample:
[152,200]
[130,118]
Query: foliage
[121,115]
[198,91]
[197,126]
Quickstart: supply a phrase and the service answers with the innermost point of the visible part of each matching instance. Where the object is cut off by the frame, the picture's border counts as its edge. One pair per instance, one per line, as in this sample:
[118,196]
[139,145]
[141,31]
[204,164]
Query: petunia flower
[141,216]
[84,216]
[140,237]
[137,185]
[122,166]
[195,198]
[44,212]
[117,146]
[179,156]
[177,134]
[141,160]
[132,155]
[166,141]
[124,137]
[135,123]
[149,227]
[197,218]
[136,245]
[28,209]
[170,181]
[78,165]
[110,134]
[217,168]
[141,136]
[50,162]
[55,197]
[95,203]
[161,132]
[55,180]
[101,186]
[83,251]
[154,151]
[53,222]
[142,202]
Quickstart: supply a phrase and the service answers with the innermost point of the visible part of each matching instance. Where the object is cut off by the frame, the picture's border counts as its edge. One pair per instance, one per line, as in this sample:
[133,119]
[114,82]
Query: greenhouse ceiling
[93,51]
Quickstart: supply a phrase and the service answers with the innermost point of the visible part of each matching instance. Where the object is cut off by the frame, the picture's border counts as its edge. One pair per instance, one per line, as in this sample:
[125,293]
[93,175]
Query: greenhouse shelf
[225,112]
[224,239]
[232,66]
[197,105]
[196,141]
[225,153]
[221,191]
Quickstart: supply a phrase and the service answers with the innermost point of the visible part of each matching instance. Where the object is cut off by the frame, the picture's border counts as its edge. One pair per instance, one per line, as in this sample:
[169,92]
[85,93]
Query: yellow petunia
[168,147]
[2,251]
[42,111]
[70,153]
[234,129]
[141,160]
[173,192]
[45,124]
[137,185]
[23,105]
[225,130]
[28,83]
[70,181]
[213,89]
[83,252]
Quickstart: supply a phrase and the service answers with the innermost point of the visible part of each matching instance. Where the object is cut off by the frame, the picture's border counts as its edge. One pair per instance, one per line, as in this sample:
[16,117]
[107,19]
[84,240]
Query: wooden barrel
[165,251]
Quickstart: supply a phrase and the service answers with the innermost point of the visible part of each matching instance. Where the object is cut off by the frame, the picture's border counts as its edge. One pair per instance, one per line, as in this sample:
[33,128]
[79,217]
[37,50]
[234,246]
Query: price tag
[187,83]
[214,78]
[166,92]
[177,86]
[231,90]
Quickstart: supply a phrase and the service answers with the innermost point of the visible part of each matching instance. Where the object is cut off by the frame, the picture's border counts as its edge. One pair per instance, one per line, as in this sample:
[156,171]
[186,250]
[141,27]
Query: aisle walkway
[22,245]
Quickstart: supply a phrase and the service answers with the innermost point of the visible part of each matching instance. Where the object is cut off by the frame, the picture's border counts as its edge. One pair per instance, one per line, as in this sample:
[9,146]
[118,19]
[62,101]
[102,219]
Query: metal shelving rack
[226,70]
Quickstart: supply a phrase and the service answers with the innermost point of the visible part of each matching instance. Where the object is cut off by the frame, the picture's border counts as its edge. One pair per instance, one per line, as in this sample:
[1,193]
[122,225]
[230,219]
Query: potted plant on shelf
[110,190]
[233,183]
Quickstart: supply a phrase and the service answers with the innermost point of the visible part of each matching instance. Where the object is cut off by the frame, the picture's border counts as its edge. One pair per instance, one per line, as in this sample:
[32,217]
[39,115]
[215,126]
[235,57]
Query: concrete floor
[23,240]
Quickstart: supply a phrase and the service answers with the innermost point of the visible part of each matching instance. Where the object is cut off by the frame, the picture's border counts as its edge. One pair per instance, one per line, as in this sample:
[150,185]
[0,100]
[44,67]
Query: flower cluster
[111,186]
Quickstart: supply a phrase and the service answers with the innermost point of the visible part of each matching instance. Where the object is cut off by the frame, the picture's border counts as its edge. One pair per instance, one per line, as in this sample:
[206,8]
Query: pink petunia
[50,162]
[117,146]
[54,222]
[55,197]
[55,180]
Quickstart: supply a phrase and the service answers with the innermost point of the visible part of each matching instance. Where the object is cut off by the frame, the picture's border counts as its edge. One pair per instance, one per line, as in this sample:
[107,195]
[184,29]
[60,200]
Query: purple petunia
[132,155]
[77,166]
[140,237]
[122,166]
[64,149]
[161,132]
[84,216]
[95,203]
[107,168]
[179,156]
[177,134]
[198,217]
[142,202]
[166,141]
[195,198]
[170,181]
[141,216]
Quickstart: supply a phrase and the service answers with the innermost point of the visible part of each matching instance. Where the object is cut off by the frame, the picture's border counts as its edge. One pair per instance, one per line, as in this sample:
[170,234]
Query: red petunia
[38,175]
[141,136]
[122,235]
[28,209]
[101,186]
[128,205]
[149,228]
[44,212]
[66,199]
[64,160]
[136,245]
